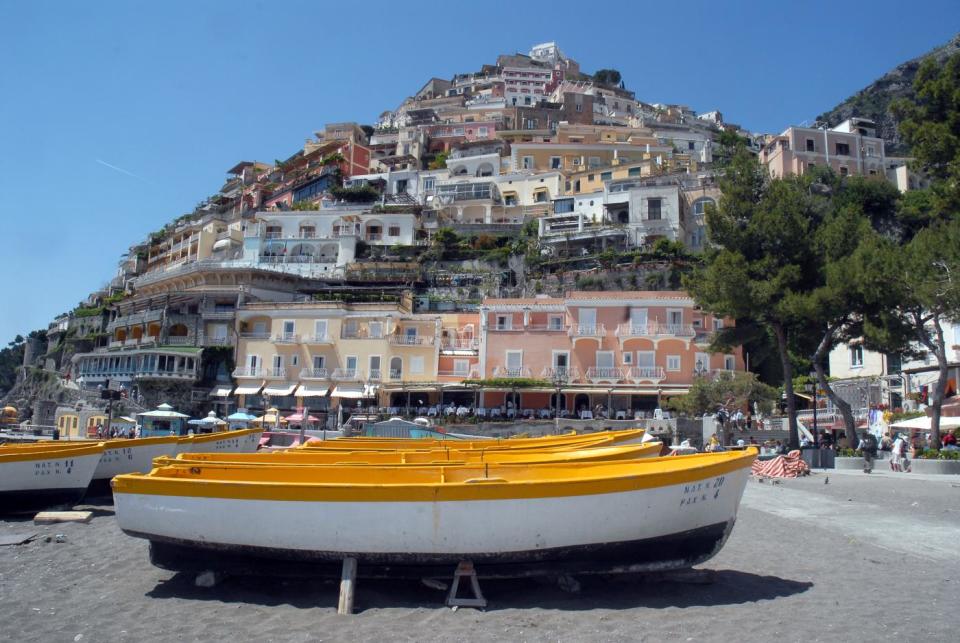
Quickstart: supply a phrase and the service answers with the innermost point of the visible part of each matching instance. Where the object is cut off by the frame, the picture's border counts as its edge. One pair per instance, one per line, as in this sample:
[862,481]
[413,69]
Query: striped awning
[222,391]
[249,389]
[281,390]
[310,390]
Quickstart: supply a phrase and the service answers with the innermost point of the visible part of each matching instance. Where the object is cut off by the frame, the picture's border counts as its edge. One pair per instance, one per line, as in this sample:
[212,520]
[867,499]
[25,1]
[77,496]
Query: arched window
[396,368]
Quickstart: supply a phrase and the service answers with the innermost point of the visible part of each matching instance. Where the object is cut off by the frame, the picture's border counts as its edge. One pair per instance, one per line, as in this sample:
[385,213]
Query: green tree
[607,77]
[761,235]
[732,390]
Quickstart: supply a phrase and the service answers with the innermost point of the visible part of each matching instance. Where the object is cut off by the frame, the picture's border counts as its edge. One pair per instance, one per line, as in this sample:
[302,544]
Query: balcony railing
[362,333]
[653,329]
[246,371]
[314,373]
[180,340]
[469,374]
[645,373]
[317,339]
[411,340]
[375,375]
[255,335]
[286,338]
[276,373]
[511,372]
[564,373]
[587,330]
[460,345]
[347,374]
[396,374]
[611,373]
[216,341]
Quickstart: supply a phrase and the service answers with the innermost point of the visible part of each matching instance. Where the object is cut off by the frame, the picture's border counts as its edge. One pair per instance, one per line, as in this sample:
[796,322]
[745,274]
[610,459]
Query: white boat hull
[223,442]
[655,528]
[133,458]
[37,483]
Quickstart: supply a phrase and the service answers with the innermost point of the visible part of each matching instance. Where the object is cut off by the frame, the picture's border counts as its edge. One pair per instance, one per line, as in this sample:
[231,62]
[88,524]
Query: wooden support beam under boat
[348,579]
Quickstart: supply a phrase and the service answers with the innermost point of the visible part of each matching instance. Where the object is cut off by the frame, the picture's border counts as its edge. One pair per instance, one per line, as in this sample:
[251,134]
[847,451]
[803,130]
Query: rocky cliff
[873,101]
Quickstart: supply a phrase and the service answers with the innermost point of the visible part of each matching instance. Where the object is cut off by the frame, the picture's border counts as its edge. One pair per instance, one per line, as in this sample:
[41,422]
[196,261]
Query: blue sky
[116,117]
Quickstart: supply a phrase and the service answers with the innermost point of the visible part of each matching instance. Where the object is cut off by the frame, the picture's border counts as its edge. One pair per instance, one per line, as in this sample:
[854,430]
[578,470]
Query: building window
[843,149]
[691,145]
[428,183]
[555,162]
[504,322]
[717,324]
[700,205]
[844,171]
[527,163]
[634,171]
[555,322]
[653,209]
[673,362]
[729,362]
[856,356]
[811,145]
[461,366]
[628,359]
[606,176]
[593,161]
[393,231]
[482,132]
[579,107]
[416,365]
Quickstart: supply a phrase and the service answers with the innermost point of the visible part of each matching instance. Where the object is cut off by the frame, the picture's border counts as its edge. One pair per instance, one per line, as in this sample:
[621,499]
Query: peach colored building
[623,350]
[851,148]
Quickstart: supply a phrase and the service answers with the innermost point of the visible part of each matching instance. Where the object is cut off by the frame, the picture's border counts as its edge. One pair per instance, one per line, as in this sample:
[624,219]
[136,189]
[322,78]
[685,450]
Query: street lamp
[560,377]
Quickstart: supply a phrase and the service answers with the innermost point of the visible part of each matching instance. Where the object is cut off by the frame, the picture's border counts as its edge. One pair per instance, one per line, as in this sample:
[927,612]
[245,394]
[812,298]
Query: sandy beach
[860,558]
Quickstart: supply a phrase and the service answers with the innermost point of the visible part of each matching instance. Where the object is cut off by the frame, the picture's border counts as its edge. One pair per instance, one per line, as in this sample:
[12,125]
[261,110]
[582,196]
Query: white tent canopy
[923,423]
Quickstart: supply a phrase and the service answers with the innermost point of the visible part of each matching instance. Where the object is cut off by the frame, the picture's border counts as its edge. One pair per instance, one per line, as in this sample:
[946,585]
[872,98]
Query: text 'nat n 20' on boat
[41,476]
[651,514]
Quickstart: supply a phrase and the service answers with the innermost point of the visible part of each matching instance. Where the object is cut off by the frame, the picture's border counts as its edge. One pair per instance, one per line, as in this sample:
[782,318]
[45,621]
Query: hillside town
[504,242]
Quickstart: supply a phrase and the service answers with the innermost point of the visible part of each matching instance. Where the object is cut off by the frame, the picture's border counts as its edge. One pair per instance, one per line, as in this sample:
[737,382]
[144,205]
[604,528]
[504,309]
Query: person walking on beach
[868,446]
[898,460]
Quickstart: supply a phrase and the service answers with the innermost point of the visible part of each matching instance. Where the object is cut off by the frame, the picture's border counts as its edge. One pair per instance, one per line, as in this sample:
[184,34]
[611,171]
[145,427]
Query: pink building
[625,350]
[851,148]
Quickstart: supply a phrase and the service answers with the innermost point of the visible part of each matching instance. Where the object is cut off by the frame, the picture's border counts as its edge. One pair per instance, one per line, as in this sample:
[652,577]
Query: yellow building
[592,180]
[324,354]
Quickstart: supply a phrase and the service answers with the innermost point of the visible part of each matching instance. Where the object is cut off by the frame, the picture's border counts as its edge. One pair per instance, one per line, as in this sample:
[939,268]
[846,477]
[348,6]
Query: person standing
[896,453]
[868,447]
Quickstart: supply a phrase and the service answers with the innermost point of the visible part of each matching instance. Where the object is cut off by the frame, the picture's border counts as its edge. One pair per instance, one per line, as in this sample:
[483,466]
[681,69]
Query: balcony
[586,331]
[246,371]
[375,375]
[216,341]
[117,343]
[396,374]
[655,331]
[470,374]
[460,345]
[410,340]
[166,375]
[180,340]
[318,339]
[286,338]
[561,373]
[511,372]
[364,332]
[347,375]
[314,374]
[604,374]
[262,335]
[276,373]
[218,313]
[645,373]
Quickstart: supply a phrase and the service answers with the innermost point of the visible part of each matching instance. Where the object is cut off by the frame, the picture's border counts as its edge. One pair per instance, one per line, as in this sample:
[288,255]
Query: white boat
[136,455]
[34,476]
[652,514]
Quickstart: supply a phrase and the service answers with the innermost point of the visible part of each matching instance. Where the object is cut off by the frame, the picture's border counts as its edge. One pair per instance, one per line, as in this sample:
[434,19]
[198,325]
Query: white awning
[923,423]
[281,390]
[222,391]
[349,392]
[308,390]
[370,390]
[250,389]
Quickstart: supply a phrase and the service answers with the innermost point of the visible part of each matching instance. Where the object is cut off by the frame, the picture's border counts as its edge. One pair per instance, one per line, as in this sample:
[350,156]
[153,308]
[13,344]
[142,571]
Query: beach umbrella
[298,417]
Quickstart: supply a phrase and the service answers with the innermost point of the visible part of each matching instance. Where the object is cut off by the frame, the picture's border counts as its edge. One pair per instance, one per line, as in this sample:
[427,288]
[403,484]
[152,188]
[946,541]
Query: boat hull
[651,528]
[40,480]
[662,553]
[136,456]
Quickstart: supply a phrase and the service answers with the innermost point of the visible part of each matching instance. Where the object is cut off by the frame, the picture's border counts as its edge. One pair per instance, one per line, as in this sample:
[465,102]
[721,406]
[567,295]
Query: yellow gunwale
[379,444]
[217,435]
[54,453]
[430,483]
[584,441]
[410,458]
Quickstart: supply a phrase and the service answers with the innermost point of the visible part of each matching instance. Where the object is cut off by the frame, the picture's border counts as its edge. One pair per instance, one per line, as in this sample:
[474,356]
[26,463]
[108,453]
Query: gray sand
[856,559]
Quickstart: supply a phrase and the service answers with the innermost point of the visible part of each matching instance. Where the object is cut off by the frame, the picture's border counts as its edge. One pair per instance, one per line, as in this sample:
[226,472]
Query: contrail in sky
[119,169]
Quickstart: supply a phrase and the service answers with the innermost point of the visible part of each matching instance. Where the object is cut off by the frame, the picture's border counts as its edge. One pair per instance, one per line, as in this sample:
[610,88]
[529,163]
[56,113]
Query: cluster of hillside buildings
[284,266]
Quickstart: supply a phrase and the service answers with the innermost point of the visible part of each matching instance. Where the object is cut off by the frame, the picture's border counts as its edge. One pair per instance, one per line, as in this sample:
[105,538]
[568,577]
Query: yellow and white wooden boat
[137,455]
[658,513]
[444,457]
[34,477]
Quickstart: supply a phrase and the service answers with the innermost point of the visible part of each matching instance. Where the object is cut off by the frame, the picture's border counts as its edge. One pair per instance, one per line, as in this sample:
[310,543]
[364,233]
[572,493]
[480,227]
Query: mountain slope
[873,101]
